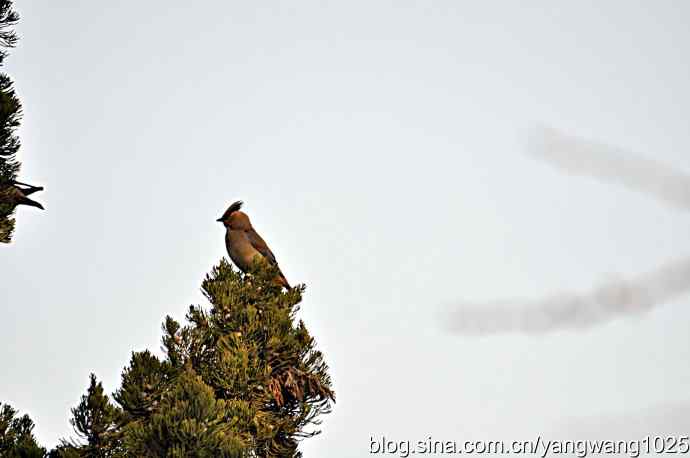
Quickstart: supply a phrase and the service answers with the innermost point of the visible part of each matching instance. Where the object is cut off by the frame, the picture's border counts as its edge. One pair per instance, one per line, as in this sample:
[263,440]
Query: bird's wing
[260,246]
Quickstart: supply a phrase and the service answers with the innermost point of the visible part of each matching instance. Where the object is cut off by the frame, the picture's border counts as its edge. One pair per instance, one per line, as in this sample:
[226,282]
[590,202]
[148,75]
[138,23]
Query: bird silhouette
[16,193]
[244,244]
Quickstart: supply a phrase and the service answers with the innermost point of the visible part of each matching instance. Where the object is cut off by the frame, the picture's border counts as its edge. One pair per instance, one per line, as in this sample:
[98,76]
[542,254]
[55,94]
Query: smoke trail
[610,299]
[608,163]
[569,310]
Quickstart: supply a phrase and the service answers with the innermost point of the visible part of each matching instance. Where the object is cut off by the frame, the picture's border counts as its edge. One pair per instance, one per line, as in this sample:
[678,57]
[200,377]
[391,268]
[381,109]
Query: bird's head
[235,207]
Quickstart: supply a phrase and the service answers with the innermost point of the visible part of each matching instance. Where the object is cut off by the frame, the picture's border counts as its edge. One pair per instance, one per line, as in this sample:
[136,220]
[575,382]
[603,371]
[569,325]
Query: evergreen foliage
[10,116]
[189,421]
[95,420]
[16,435]
[242,379]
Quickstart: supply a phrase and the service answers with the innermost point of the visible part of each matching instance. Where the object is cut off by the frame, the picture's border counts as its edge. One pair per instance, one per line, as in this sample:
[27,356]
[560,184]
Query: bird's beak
[220,220]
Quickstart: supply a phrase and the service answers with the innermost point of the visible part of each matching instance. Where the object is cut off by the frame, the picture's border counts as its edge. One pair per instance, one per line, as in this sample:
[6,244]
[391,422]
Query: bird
[244,244]
[16,193]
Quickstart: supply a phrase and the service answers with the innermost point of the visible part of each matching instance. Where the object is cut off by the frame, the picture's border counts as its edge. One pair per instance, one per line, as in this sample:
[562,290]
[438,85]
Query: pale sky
[380,148]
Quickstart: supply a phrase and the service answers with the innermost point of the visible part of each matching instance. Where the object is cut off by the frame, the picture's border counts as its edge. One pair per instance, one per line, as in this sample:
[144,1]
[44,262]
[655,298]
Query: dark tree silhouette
[12,192]
[16,435]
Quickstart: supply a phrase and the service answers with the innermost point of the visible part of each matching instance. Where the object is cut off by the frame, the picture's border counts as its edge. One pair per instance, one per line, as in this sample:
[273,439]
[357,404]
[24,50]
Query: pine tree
[242,379]
[16,435]
[96,422]
[189,421]
[12,193]
[243,373]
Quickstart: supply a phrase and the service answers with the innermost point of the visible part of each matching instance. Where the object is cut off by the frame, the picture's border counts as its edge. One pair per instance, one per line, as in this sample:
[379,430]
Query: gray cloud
[610,299]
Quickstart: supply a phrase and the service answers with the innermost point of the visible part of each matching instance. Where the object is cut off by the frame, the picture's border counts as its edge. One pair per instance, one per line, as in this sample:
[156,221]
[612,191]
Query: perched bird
[16,193]
[244,244]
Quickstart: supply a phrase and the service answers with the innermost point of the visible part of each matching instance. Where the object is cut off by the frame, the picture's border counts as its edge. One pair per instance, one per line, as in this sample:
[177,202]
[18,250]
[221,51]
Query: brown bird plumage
[243,242]
[16,193]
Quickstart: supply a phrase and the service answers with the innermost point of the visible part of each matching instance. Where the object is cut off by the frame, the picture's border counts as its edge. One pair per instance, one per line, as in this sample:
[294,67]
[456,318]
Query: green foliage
[65,450]
[10,113]
[16,435]
[10,116]
[248,349]
[243,379]
[96,422]
[189,421]
[8,18]
[143,384]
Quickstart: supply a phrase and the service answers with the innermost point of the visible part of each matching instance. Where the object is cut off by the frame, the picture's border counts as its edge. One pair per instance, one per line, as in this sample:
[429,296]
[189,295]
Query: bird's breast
[240,249]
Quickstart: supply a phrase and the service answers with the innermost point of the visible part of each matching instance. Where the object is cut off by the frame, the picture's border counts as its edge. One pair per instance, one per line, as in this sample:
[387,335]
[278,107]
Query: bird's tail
[282,281]
[28,189]
[29,202]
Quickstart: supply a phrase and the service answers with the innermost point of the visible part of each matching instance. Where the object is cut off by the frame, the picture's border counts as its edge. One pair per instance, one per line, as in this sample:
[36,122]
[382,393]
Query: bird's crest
[232,208]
